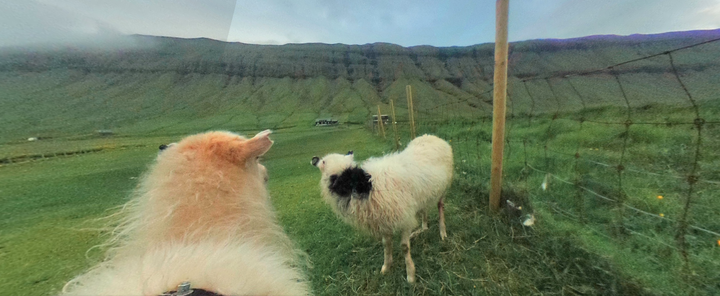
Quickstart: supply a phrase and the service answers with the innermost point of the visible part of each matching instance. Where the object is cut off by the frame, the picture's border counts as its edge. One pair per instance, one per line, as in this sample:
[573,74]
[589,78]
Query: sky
[403,22]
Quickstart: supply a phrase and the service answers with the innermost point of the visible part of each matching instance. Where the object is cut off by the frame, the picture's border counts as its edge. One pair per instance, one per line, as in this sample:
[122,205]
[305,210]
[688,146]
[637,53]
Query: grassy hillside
[162,85]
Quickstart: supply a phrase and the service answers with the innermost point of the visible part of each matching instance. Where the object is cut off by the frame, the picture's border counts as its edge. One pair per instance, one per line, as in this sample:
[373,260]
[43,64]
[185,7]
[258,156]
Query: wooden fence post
[408,91]
[499,94]
[380,123]
[394,125]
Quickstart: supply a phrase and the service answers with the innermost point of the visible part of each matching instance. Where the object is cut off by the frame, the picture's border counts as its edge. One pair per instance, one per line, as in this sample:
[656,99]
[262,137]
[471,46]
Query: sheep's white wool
[402,184]
[385,194]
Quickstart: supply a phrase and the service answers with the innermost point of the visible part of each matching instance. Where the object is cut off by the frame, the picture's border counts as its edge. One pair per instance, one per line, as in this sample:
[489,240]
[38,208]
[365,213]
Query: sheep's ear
[258,145]
[349,152]
[315,160]
[165,146]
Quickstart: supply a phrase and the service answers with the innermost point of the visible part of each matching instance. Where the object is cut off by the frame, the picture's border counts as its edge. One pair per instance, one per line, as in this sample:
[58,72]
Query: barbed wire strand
[692,176]
[580,203]
[612,200]
[595,71]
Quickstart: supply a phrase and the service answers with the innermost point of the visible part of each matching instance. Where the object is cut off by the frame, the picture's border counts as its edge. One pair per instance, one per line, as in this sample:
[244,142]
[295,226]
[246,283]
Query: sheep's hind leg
[424,225]
[387,243]
[423,213]
[409,265]
[441,214]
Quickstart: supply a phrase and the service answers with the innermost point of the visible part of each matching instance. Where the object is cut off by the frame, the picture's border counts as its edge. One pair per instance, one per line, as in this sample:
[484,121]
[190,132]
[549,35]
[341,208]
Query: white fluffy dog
[201,215]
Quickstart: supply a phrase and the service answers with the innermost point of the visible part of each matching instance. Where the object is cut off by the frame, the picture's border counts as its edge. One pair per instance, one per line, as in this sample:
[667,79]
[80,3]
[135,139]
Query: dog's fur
[201,214]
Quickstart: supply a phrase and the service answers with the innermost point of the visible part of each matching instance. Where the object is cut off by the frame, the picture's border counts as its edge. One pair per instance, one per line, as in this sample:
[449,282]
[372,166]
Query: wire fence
[625,157]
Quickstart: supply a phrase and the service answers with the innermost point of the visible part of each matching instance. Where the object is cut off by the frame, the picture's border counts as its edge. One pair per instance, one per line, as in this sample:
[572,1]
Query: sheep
[200,216]
[384,195]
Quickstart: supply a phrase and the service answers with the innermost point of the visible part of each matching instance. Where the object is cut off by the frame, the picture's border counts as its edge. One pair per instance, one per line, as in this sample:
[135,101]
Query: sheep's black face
[353,181]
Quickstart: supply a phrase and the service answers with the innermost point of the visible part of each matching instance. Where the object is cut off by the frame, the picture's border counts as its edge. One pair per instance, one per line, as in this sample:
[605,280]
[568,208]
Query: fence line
[692,176]
[546,108]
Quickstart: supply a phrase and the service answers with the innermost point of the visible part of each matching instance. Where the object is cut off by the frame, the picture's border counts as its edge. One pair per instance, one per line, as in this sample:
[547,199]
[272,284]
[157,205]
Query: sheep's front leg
[409,265]
[387,242]
[441,214]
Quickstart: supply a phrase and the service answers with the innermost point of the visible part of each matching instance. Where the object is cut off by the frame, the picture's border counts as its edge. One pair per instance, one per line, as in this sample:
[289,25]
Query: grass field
[52,205]
[631,217]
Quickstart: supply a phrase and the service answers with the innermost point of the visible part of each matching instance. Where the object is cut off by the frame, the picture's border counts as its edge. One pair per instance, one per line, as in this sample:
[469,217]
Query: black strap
[195,292]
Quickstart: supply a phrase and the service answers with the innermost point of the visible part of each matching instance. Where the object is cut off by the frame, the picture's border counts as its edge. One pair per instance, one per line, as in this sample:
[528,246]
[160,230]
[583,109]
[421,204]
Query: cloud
[404,22]
[30,22]
[568,19]
[177,18]
[709,17]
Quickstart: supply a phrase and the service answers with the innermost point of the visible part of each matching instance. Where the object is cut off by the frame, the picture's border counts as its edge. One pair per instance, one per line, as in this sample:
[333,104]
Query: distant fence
[628,153]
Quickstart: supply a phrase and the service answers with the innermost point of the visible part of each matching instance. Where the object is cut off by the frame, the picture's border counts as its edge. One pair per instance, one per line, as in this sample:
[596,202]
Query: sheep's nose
[315,160]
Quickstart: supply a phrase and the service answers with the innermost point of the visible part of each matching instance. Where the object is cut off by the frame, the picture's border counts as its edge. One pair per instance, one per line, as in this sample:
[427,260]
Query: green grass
[49,208]
[657,158]
[581,243]
[52,208]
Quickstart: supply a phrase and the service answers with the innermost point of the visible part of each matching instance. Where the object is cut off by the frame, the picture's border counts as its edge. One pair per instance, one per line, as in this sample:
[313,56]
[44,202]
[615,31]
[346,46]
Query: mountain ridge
[352,61]
[165,84]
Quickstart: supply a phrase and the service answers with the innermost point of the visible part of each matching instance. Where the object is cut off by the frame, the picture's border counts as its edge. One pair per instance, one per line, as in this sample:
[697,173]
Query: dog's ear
[258,145]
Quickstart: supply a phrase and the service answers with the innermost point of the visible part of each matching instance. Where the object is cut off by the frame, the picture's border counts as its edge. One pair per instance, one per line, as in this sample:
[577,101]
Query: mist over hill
[150,84]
